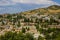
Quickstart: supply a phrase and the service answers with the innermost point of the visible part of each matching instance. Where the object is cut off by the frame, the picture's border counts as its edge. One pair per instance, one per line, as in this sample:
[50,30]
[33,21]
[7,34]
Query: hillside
[54,9]
[37,24]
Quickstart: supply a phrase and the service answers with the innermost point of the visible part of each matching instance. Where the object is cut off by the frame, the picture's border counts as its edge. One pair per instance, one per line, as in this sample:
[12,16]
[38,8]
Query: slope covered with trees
[38,24]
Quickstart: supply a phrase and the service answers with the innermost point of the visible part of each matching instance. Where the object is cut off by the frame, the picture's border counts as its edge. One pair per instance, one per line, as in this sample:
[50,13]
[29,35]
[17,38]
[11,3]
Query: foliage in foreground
[15,36]
[28,36]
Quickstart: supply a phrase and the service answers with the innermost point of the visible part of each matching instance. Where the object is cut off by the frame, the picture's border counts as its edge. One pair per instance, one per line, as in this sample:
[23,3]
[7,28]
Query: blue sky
[15,6]
[57,1]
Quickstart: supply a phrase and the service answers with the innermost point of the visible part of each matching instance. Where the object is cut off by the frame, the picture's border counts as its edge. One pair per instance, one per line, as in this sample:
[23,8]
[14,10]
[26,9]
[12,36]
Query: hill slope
[48,10]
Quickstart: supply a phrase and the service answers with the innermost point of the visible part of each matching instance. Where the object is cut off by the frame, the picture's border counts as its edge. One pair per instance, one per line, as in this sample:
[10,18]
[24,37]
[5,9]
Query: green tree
[40,38]
[23,30]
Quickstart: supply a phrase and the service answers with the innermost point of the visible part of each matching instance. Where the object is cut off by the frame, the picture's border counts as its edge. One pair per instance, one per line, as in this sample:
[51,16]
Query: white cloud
[5,2]
[39,2]
[35,1]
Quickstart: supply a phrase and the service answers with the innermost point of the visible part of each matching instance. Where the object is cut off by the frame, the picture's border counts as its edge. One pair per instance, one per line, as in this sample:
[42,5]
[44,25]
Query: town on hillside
[42,22]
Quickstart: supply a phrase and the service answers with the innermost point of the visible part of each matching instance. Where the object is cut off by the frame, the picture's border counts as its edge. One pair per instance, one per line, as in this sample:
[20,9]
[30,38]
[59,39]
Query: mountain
[54,9]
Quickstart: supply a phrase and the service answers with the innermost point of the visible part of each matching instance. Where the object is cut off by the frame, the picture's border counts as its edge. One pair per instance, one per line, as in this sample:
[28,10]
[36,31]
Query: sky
[15,6]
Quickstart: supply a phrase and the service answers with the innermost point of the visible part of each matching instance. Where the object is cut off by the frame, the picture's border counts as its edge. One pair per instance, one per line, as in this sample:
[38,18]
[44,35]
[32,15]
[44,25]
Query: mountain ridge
[51,9]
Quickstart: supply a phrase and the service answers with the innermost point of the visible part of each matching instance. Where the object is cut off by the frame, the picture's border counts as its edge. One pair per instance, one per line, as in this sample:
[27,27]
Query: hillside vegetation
[37,24]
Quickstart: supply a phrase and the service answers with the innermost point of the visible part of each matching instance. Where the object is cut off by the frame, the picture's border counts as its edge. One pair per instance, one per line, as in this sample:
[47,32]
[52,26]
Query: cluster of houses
[7,25]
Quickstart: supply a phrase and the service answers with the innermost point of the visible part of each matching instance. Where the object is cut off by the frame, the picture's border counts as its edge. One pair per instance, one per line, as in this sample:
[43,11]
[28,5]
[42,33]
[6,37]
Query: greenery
[45,24]
[14,36]
[28,36]
[23,30]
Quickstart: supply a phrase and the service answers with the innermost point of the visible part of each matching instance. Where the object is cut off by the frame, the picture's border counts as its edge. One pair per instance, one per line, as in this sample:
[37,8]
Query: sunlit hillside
[37,24]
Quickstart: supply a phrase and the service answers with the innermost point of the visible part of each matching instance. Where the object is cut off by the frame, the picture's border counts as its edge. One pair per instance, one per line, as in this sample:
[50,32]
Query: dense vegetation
[15,36]
[50,34]
[36,18]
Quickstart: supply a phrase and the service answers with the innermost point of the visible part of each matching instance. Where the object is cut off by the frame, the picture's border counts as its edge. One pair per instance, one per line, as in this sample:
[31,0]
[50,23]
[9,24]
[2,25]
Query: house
[54,26]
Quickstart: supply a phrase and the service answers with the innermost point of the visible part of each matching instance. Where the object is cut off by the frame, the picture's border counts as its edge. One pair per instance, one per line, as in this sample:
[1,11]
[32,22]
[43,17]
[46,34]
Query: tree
[23,30]
[40,38]
[29,36]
